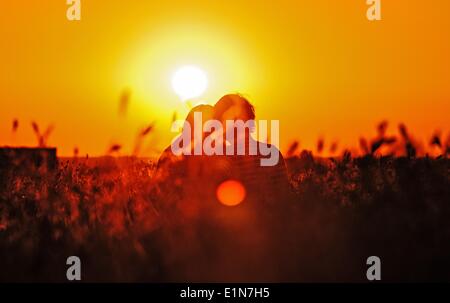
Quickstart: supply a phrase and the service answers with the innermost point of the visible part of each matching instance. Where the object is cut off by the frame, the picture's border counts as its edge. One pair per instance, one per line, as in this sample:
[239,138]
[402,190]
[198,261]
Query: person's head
[207,112]
[234,107]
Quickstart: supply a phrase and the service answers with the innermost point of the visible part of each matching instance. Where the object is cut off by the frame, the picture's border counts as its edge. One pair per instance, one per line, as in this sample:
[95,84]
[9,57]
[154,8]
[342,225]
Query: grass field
[112,213]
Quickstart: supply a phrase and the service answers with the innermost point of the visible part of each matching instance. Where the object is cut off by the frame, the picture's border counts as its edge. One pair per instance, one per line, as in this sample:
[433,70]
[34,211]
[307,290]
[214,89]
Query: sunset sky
[320,67]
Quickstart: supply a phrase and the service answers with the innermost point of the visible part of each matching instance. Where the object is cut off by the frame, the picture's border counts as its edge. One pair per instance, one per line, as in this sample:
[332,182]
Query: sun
[189,82]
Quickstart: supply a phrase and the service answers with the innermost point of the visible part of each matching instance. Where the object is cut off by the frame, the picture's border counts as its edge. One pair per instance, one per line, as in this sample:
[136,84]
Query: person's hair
[206,110]
[230,101]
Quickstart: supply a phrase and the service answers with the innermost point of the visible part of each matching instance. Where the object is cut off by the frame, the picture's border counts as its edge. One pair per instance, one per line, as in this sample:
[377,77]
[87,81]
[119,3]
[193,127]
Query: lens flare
[231,192]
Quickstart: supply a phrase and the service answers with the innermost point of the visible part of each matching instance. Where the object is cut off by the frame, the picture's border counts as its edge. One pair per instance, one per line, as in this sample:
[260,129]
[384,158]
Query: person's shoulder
[166,156]
[274,149]
[167,152]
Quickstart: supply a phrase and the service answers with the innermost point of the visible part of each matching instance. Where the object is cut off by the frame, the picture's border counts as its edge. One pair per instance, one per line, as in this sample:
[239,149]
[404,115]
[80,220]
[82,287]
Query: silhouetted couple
[192,174]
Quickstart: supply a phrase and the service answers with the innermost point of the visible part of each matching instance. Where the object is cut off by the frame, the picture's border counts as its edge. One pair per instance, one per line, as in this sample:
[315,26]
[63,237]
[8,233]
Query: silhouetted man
[264,184]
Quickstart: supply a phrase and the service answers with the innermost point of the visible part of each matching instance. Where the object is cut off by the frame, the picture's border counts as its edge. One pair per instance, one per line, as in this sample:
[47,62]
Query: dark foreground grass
[112,213]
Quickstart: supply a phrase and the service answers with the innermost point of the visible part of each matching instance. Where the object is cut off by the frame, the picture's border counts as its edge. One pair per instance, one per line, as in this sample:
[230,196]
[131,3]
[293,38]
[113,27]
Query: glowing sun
[189,82]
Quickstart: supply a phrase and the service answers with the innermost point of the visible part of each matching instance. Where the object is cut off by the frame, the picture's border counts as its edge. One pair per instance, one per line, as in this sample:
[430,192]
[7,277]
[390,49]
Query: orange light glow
[231,192]
[319,67]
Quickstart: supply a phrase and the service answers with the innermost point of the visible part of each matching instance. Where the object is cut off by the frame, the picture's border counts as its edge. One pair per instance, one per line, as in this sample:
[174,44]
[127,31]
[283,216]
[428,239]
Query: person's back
[182,177]
[264,184]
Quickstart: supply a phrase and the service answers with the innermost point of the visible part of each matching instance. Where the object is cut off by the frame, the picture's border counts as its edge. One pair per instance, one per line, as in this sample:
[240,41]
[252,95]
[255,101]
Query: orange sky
[320,67]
